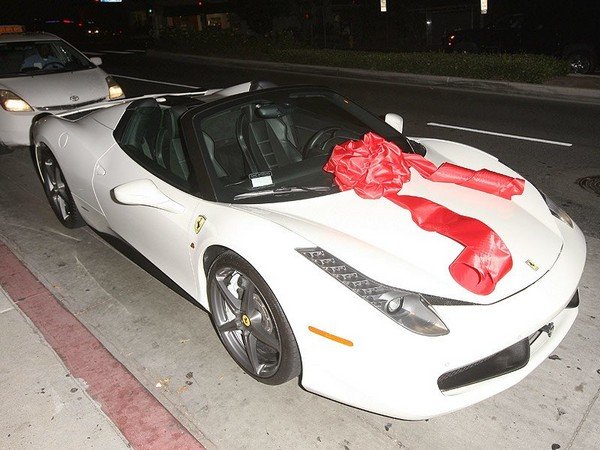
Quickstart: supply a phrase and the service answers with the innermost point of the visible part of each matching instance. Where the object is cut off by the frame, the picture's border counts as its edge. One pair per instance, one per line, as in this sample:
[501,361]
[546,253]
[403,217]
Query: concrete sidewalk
[43,405]
[128,405]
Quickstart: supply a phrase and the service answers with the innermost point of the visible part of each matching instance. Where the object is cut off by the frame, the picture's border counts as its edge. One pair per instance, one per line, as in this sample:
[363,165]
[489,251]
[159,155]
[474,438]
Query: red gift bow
[376,168]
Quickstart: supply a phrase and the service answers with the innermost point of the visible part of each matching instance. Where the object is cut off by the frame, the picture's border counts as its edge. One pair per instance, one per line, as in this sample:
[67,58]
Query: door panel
[161,236]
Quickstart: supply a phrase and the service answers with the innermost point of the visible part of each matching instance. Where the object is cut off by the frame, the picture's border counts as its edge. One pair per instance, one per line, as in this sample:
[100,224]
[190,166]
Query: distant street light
[484,6]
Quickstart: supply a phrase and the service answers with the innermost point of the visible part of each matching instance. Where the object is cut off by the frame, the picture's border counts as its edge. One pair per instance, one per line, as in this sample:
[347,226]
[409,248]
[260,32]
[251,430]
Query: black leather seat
[269,142]
[169,151]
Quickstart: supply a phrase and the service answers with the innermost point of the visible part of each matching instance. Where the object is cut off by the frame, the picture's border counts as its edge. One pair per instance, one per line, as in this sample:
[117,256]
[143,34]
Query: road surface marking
[155,81]
[493,133]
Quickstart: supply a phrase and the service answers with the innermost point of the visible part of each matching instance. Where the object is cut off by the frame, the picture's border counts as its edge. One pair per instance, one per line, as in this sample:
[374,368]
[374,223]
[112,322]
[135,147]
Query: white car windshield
[39,58]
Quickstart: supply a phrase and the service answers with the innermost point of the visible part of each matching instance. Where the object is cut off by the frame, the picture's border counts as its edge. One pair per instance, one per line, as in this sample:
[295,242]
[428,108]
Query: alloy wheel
[245,322]
[56,188]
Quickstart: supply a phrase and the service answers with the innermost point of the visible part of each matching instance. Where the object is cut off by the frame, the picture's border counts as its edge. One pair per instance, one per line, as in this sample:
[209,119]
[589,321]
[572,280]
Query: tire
[57,191]
[581,59]
[251,323]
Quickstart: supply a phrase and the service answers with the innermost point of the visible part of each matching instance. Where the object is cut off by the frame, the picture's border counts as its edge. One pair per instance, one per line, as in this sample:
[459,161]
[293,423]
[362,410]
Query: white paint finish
[145,193]
[55,89]
[395,121]
[267,236]
[63,139]
[493,133]
[161,236]
[166,83]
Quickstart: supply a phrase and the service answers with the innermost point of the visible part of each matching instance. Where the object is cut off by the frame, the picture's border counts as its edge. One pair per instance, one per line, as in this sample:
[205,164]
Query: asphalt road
[552,167]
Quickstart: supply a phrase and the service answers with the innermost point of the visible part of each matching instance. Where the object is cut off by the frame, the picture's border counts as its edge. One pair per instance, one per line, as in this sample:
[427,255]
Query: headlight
[557,211]
[12,102]
[409,309]
[114,90]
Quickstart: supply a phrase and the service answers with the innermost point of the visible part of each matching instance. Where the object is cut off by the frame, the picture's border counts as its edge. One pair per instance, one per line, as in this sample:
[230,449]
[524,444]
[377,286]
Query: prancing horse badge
[200,221]
[531,264]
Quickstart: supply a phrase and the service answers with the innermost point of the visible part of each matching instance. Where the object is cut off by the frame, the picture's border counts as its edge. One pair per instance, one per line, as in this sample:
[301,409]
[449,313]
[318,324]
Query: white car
[41,73]
[225,192]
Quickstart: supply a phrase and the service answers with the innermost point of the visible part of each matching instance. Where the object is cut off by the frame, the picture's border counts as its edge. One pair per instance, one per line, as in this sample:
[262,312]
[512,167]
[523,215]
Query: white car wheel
[250,322]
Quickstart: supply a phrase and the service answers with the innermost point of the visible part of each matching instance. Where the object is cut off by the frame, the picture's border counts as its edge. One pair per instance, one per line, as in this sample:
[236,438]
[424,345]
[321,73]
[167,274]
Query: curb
[581,95]
[139,416]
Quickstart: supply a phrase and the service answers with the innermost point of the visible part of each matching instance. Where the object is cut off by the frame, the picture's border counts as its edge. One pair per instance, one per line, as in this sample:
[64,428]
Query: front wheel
[250,321]
[57,191]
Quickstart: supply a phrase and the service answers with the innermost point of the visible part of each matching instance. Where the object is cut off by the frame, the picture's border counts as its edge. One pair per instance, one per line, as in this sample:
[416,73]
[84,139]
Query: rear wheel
[57,191]
[250,321]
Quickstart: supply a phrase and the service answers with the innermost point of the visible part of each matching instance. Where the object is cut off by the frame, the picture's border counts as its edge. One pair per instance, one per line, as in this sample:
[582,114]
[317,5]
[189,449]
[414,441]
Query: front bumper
[15,127]
[393,372]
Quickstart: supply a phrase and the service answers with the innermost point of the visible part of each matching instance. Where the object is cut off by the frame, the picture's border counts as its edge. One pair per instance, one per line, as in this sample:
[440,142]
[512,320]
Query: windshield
[40,57]
[273,146]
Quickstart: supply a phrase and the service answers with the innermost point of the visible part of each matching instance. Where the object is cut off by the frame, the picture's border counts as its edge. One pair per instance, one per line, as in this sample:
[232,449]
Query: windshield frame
[36,42]
[210,187]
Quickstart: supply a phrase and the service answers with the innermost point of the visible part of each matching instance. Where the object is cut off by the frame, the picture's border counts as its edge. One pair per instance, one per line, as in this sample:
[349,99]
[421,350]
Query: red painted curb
[144,422]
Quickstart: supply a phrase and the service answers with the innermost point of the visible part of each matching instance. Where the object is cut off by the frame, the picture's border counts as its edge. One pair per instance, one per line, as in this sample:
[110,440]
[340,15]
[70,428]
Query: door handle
[100,170]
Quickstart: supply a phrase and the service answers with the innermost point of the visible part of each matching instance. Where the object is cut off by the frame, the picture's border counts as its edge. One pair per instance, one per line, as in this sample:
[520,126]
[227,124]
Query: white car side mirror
[395,121]
[145,193]
[96,60]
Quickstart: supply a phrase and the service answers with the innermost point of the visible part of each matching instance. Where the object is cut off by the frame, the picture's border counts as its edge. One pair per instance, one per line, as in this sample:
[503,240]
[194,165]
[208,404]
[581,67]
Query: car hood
[379,238]
[59,89]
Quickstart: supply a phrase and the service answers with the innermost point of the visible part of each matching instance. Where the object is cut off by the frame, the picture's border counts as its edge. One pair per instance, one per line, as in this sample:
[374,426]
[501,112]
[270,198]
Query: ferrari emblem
[200,221]
[531,264]
[246,320]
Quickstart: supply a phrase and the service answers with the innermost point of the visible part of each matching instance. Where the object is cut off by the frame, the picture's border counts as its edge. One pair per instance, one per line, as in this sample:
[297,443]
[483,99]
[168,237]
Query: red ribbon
[376,168]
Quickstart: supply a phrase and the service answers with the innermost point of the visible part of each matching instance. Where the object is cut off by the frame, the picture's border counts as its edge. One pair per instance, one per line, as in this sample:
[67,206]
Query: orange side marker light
[333,337]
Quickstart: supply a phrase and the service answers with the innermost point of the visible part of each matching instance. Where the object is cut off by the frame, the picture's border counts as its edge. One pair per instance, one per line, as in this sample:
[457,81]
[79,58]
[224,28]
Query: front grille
[505,361]
[574,303]
[69,106]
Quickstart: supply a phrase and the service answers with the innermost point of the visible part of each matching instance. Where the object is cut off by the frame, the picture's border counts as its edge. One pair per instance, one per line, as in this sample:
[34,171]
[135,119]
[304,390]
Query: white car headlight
[557,211]
[114,90]
[409,309]
[12,102]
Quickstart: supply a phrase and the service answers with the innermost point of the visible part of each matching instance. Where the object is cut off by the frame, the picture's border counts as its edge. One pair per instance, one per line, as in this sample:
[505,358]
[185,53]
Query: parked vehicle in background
[39,72]
[569,33]
[79,32]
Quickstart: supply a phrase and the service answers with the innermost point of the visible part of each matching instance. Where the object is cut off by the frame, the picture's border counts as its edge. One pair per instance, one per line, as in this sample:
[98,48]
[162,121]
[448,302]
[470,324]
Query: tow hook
[548,329]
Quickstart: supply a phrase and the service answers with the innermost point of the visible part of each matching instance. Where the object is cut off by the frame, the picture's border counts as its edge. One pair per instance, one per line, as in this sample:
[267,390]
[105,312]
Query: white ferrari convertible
[408,277]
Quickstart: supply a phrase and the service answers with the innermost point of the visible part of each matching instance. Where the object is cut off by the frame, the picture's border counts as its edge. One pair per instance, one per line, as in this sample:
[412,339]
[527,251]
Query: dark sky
[27,10]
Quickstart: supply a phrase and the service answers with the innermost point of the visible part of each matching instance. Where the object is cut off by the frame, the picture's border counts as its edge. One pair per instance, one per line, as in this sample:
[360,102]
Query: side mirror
[96,60]
[395,121]
[145,193]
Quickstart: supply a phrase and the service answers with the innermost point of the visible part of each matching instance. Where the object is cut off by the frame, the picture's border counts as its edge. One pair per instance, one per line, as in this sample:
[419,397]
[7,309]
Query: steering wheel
[316,137]
[54,65]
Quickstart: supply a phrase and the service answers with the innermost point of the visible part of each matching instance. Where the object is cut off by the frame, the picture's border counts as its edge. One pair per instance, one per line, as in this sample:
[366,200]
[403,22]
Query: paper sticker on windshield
[259,179]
